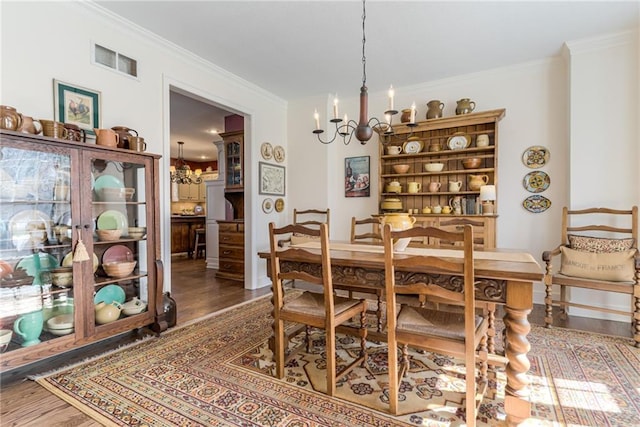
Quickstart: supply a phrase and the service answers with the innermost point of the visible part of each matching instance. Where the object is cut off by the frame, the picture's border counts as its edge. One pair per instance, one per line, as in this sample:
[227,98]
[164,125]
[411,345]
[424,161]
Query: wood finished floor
[197,293]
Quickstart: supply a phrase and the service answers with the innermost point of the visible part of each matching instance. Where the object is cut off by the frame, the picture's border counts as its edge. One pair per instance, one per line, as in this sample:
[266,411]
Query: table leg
[519,303]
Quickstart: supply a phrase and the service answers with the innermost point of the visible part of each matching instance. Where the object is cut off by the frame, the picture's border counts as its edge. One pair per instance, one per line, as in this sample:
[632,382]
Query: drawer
[231,238]
[231,266]
[233,252]
[227,226]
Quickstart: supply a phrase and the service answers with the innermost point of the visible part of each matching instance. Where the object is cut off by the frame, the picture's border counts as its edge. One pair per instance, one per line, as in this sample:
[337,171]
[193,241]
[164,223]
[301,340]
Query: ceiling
[302,48]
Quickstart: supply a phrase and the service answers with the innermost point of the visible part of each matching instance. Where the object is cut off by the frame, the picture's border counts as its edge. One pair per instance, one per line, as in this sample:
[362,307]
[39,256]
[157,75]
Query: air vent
[115,61]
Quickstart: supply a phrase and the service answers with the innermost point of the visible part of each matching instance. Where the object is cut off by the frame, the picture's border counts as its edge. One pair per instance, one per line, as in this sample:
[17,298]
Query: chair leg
[363,338]
[330,349]
[394,378]
[548,303]
[379,312]
[563,298]
[280,345]
[405,363]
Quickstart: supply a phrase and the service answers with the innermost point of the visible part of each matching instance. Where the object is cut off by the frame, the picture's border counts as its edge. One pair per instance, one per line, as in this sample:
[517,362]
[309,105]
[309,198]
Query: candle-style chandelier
[364,128]
[181,172]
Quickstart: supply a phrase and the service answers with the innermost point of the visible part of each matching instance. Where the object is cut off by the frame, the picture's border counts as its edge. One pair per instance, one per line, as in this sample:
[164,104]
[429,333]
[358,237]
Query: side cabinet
[231,250]
[79,230]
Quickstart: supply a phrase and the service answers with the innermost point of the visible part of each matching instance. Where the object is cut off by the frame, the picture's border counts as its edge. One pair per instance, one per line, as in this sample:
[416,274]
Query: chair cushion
[614,267]
[298,238]
[313,303]
[599,244]
[433,322]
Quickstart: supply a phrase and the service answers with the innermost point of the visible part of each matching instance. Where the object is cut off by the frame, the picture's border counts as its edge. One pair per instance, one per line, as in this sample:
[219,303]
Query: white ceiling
[300,48]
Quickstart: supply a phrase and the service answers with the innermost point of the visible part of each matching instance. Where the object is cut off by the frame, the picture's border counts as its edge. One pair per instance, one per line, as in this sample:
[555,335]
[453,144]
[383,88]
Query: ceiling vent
[115,61]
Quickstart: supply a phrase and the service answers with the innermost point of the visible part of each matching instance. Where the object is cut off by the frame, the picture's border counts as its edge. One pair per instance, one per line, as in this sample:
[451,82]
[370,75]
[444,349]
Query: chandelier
[181,172]
[363,130]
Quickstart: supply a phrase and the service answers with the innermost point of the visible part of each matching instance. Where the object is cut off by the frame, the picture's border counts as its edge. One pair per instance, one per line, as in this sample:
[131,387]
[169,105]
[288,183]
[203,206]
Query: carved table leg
[519,305]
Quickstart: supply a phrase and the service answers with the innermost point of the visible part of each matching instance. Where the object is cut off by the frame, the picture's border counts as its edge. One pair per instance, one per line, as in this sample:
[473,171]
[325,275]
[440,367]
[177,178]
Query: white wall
[46,40]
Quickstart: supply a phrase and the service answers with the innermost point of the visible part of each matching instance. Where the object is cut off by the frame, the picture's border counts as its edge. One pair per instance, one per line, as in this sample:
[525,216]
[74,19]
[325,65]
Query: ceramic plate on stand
[458,141]
[117,253]
[113,220]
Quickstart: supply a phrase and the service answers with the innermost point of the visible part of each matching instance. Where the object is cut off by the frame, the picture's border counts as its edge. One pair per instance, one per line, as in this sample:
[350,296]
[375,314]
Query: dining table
[502,276]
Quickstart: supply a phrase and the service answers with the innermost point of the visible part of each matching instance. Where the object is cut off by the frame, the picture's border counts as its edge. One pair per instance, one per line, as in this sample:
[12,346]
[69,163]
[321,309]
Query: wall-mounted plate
[536,203]
[279,205]
[266,149]
[536,181]
[267,205]
[535,156]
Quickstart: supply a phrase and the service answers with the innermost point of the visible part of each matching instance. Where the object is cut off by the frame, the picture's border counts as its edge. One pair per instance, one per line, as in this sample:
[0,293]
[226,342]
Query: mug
[53,129]
[136,143]
[455,186]
[29,327]
[482,140]
[433,187]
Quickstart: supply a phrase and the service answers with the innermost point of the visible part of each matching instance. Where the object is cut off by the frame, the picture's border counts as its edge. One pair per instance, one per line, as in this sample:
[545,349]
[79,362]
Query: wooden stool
[200,243]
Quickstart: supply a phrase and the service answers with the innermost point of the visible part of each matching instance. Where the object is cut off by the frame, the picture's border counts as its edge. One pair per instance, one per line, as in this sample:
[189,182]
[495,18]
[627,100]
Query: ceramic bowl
[401,168]
[109,235]
[471,163]
[137,232]
[62,277]
[60,322]
[5,338]
[433,167]
[119,269]
[109,194]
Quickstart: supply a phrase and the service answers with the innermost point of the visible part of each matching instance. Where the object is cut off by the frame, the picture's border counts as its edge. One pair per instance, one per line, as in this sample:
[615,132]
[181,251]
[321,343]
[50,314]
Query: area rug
[217,372]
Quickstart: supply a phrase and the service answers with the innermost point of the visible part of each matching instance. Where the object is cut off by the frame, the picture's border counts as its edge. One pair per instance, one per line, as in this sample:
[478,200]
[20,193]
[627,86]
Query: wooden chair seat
[312,304]
[444,324]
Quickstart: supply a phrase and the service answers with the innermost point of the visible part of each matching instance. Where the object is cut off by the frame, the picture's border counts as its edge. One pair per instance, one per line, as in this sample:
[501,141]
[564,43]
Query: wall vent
[114,60]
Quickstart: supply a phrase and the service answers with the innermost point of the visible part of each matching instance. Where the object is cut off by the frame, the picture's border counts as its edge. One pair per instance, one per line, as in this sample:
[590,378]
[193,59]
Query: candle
[346,119]
[391,93]
[316,116]
[335,107]
[387,118]
[413,113]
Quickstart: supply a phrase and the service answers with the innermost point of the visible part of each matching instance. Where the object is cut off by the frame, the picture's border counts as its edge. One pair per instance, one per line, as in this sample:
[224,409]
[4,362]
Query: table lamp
[487,198]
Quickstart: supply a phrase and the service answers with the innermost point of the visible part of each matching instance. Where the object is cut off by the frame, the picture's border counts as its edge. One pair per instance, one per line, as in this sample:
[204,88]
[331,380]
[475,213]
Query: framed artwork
[271,179]
[356,177]
[76,105]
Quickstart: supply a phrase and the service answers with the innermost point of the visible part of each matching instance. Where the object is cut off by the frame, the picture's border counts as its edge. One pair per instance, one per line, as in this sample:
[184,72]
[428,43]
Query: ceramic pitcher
[433,187]
[107,137]
[434,110]
[414,187]
[477,181]
[455,203]
[399,221]
[465,106]
[30,125]
[124,133]
[10,119]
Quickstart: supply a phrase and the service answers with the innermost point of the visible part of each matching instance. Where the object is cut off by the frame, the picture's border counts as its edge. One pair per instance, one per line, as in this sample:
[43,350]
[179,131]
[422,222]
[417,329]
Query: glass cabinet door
[234,164]
[37,212]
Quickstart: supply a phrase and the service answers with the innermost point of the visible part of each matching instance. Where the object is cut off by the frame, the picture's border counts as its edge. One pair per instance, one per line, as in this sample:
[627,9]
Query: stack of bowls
[119,269]
[109,235]
[61,324]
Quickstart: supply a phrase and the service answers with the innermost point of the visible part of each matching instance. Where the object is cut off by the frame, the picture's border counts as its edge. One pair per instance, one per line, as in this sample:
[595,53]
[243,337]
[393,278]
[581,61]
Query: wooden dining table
[503,276]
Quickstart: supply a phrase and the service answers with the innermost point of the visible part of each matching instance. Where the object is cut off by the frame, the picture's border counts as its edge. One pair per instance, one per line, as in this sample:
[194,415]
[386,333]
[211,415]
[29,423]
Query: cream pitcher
[107,137]
[455,203]
[455,186]
[414,187]
[477,181]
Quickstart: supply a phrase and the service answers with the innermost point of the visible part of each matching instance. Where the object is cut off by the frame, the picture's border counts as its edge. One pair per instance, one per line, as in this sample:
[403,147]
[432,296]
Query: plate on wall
[266,149]
[458,141]
[535,156]
[536,203]
[279,205]
[278,153]
[536,181]
[267,205]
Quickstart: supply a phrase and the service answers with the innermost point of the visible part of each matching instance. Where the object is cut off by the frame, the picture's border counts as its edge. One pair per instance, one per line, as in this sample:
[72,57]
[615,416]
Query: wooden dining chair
[459,334]
[365,230]
[319,308]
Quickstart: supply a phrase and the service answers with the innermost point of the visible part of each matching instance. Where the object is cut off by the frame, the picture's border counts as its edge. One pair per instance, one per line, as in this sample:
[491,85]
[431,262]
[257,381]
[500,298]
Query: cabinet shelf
[447,172]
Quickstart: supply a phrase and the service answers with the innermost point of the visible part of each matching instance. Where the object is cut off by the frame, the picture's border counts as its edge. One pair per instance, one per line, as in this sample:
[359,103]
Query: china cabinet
[234,160]
[54,197]
[447,141]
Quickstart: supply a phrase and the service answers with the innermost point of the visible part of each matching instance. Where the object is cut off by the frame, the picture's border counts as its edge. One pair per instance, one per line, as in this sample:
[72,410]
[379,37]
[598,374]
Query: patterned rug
[217,372]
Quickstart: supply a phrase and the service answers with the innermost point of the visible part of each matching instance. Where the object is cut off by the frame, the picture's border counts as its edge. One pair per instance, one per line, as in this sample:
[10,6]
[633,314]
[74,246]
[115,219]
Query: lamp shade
[488,192]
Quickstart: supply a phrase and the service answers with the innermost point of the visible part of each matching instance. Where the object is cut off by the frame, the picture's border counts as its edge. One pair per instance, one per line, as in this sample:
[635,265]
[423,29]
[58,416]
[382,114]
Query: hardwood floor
[197,293]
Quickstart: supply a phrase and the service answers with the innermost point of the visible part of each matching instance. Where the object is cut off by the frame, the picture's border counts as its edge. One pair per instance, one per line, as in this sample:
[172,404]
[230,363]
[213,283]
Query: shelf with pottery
[79,240]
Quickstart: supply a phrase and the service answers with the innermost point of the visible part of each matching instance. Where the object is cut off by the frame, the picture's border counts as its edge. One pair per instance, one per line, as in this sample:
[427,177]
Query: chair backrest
[311,217]
[600,222]
[458,273]
[279,275]
[373,233]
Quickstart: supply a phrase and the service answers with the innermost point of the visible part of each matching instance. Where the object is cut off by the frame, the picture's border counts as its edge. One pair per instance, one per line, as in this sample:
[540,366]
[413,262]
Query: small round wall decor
[267,205]
[266,149]
[536,181]
[278,153]
[535,156]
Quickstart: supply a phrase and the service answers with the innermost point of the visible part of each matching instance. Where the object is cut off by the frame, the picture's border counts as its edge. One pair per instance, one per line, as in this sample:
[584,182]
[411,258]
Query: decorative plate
[113,220]
[266,149]
[458,141]
[267,205]
[67,261]
[36,264]
[536,203]
[535,156]
[29,228]
[536,181]
[278,154]
[109,294]
[412,147]
[117,253]
[107,181]
[279,205]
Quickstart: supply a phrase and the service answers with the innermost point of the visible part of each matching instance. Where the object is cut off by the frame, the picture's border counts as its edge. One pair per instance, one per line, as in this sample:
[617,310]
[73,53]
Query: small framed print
[76,105]
[356,177]
[272,179]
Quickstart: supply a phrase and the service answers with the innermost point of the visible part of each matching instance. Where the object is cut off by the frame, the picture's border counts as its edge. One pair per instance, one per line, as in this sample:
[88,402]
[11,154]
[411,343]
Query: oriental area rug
[218,372]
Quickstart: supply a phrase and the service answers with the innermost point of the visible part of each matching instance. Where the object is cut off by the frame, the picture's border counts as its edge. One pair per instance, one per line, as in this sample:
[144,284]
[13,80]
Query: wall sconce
[487,198]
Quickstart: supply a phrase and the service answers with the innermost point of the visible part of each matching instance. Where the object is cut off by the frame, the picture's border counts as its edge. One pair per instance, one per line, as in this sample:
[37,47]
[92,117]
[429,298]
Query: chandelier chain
[364,41]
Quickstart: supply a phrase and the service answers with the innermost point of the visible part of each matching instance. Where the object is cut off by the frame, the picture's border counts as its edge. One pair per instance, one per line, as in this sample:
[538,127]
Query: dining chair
[459,334]
[311,218]
[319,308]
[365,230]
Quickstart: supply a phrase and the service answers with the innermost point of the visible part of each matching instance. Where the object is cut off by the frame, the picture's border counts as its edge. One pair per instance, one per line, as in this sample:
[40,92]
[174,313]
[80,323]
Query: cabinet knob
[227,252]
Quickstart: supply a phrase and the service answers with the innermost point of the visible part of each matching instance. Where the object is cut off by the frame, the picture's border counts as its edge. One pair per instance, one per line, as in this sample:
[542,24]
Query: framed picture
[271,179]
[76,105]
[356,177]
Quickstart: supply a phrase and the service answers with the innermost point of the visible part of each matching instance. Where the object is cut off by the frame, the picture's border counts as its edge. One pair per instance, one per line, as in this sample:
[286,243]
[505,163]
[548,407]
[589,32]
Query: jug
[74,133]
[29,327]
[465,106]
[455,203]
[107,313]
[434,110]
[477,181]
[405,117]
[399,221]
[29,125]
[455,186]
[433,187]
[10,119]
[107,137]
[414,187]
[394,149]
[435,146]
[482,140]
[124,133]
[136,143]
[53,129]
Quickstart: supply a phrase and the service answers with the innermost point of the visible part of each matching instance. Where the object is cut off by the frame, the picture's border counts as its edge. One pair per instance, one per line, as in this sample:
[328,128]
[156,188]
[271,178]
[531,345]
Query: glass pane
[105,56]
[127,65]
